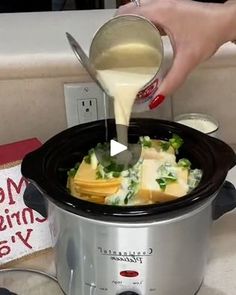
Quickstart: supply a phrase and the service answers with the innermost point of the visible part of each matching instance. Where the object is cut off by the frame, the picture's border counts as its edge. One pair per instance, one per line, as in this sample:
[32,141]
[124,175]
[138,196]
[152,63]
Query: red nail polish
[156,101]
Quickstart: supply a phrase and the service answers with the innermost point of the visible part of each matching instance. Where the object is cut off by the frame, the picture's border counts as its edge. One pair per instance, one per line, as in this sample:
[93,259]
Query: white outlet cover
[77,92]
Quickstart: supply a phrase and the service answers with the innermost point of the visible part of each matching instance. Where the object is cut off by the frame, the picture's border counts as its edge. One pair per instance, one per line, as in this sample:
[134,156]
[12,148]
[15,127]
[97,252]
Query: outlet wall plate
[85,102]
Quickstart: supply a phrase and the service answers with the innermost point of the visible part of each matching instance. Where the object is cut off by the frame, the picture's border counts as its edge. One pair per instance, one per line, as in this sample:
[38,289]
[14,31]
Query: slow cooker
[158,249]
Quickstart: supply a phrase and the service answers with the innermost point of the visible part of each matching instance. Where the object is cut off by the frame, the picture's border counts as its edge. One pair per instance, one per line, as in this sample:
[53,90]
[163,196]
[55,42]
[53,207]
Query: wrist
[230,14]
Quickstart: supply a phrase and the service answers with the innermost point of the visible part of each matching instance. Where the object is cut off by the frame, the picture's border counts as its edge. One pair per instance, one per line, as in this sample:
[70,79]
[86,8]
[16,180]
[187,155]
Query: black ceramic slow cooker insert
[47,167]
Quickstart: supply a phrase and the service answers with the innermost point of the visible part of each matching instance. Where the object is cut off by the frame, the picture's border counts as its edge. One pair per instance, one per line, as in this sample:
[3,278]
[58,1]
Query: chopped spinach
[194,178]
[128,196]
[166,175]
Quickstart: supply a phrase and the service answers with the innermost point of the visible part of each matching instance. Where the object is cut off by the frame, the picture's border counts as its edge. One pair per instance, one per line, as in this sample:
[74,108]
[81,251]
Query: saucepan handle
[225,201]
[35,200]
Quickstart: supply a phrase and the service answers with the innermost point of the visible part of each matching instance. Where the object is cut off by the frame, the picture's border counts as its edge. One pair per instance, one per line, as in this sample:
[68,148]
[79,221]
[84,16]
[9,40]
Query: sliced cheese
[99,191]
[71,186]
[146,196]
[99,183]
[157,145]
[86,176]
[86,186]
[148,174]
[156,153]
[76,192]
[180,187]
[150,190]
[97,199]
[85,172]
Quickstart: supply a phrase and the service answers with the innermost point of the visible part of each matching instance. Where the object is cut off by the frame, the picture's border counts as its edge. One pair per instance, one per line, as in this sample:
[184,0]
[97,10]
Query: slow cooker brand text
[126,255]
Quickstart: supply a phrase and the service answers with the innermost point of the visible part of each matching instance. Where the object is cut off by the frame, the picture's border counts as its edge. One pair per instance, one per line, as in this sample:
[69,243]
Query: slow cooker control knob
[128,293]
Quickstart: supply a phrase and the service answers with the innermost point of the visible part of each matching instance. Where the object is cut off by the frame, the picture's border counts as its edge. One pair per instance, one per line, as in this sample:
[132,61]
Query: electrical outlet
[87,109]
[85,102]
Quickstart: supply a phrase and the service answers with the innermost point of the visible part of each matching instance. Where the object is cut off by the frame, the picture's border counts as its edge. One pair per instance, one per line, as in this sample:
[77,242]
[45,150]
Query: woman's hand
[196,30]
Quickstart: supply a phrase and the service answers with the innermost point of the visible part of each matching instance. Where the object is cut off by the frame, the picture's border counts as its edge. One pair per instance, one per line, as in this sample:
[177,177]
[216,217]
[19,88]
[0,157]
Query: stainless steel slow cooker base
[158,249]
[167,256]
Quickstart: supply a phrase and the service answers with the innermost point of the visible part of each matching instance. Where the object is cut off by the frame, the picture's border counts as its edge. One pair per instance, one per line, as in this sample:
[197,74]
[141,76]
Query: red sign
[22,230]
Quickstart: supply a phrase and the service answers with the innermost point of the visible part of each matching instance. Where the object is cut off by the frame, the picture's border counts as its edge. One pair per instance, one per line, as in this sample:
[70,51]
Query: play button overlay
[118,155]
[116,148]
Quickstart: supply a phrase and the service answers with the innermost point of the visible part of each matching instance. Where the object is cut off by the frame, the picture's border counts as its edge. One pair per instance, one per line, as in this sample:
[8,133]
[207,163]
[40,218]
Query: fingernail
[156,101]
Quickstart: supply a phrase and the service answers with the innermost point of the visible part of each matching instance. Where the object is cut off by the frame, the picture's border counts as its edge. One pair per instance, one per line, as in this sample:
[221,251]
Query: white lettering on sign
[23,231]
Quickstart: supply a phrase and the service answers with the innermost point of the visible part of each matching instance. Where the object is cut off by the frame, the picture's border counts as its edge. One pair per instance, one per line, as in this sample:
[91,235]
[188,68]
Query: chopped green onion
[145,141]
[162,183]
[184,163]
[77,165]
[133,185]
[165,145]
[114,167]
[87,159]
[176,142]
[167,179]
[171,176]
[99,174]
[116,201]
[99,146]
[73,171]
[90,152]
[116,174]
